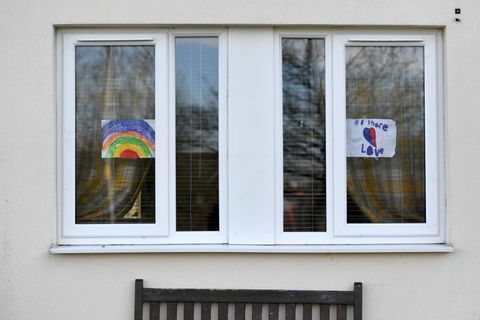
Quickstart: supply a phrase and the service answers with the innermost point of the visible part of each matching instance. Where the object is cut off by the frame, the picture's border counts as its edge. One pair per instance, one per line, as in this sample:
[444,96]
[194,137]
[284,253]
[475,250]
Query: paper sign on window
[128,139]
[371,138]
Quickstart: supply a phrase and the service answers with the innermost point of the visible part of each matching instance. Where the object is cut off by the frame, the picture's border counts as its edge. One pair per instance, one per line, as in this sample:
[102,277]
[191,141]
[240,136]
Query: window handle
[117,40]
[384,40]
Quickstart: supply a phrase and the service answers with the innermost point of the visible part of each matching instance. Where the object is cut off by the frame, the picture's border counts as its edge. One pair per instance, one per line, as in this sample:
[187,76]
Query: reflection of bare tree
[196,126]
[388,83]
[112,82]
[196,122]
[304,134]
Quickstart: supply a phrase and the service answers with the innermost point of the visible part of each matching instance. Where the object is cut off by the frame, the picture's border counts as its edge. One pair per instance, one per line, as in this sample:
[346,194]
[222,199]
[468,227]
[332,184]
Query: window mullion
[250,136]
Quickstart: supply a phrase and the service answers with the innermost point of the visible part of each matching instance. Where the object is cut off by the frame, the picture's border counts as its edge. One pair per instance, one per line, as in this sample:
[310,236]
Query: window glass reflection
[387,82]
[114,95]
[303,80]
[196,91]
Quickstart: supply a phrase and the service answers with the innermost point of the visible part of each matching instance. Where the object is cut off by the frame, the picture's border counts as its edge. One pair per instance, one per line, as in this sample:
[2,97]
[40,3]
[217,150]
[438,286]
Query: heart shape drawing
[371,136]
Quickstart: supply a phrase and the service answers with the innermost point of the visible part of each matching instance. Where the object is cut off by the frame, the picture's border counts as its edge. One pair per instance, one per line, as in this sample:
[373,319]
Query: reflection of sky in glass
[196,69]
[112,82]
[303,69]
[409,60]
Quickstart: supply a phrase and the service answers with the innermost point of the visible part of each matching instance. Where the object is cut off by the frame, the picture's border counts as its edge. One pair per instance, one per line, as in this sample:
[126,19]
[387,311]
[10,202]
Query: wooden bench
[239,298]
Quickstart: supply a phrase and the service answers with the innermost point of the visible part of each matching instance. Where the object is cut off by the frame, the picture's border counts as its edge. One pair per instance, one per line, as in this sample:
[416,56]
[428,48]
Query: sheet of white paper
[371,138]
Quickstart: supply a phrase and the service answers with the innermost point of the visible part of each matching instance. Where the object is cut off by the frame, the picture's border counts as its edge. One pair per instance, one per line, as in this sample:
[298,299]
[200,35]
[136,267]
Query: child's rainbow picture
[128,139]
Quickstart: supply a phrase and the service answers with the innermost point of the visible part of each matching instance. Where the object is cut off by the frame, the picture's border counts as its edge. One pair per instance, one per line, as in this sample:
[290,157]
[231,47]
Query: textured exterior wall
[37,284]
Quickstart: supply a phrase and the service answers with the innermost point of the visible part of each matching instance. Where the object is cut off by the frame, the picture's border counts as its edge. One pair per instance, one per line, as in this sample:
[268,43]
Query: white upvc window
[143,121]
[198,136]
[359,127]
[405,201]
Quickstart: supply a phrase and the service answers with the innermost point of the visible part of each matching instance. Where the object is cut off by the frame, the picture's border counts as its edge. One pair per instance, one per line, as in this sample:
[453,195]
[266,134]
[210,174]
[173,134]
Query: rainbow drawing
[128,139]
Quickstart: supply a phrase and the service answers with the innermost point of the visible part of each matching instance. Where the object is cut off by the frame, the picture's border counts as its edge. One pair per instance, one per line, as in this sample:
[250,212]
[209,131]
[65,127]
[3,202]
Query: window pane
[386,82]
[304,180]
[115,140]
[196,74]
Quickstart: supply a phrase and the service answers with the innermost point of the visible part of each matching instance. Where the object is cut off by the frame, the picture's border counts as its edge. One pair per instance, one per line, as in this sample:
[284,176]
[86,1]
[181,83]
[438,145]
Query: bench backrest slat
[188,311]
[155,311]
[240,311]
[223,311]
[257,311]
[290,311]
[171,311]
[341,312]
[273,311]
[206,311]
[257,298]
[307,311]
[325,311]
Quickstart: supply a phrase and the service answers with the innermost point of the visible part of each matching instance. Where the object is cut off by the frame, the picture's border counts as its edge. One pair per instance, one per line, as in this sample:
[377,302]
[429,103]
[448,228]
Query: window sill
[220,248]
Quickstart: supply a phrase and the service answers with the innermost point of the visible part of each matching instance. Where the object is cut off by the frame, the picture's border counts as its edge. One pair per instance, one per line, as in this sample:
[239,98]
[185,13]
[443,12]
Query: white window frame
[282,237]
[338,230]
[200,237]
[269,230]
[163,231]
[391,232]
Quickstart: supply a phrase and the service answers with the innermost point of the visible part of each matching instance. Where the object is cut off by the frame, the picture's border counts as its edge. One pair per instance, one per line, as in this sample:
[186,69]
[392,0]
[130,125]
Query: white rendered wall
[35,284]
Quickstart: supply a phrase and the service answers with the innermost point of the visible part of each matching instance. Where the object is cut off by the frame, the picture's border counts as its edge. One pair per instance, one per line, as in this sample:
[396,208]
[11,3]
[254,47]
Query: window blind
[304,168]
[196,92]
